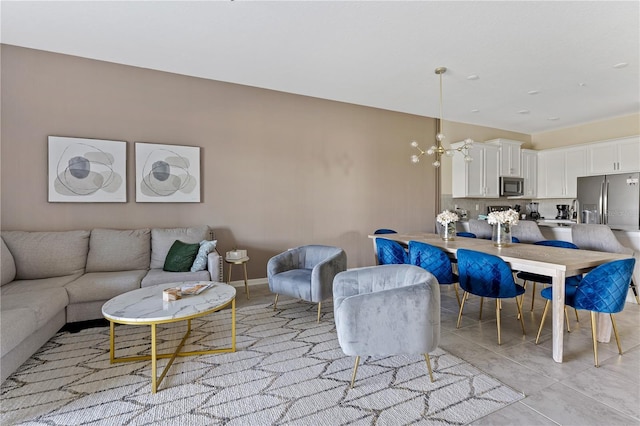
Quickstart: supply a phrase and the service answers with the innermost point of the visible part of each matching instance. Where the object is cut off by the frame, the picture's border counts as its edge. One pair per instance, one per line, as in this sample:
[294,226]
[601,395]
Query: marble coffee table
[145,306]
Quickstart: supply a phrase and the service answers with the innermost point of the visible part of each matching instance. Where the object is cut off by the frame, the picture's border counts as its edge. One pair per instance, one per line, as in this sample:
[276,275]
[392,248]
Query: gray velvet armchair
[306,272]
[387,310]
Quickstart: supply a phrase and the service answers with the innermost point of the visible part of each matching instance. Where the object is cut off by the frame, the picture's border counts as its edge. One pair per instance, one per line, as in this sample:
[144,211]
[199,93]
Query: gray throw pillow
[206,247]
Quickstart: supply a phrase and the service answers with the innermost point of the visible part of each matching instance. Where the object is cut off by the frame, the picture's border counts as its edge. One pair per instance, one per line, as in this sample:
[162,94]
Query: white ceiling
[379,54]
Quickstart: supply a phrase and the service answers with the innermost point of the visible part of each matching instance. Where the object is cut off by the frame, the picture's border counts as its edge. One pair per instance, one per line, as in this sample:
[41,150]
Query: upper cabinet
[530,172]
[510,161]
[558,171]
[614,156]
[477,178]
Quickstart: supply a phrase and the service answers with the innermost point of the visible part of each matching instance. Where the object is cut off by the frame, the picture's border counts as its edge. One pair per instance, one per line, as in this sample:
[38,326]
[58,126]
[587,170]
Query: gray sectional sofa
[53,278]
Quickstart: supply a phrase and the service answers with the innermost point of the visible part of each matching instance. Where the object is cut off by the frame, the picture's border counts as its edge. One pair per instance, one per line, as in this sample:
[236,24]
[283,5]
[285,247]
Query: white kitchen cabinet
[530,172]
[614,156]
[510,158]
[478,178]
[558,170]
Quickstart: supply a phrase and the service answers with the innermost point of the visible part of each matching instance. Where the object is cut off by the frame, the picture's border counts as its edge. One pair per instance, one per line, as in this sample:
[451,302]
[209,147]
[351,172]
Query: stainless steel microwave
[511,186]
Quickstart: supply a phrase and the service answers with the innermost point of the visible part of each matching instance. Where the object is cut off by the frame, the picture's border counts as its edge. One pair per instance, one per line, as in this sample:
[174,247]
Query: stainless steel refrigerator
[612,200]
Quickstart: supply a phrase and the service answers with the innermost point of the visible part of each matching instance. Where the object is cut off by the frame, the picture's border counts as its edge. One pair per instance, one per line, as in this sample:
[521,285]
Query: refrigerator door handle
[600,218]
[605,202]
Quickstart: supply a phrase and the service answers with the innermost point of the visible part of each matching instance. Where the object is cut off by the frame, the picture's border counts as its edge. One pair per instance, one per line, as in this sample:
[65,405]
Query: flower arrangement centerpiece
[448,221]
[502,222]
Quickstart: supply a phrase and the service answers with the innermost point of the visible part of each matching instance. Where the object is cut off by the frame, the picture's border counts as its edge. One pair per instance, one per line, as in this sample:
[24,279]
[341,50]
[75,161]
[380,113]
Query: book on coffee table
[191,289]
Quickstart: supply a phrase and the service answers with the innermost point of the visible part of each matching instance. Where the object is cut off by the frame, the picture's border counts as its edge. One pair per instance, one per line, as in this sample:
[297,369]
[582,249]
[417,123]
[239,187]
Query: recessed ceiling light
[620,65]
[524,111]
[533,92]
[473,77]
[553,118]
[475,110]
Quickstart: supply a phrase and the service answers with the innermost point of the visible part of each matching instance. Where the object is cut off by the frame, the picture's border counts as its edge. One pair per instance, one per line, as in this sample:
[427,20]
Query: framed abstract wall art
[167,173]
[87,170]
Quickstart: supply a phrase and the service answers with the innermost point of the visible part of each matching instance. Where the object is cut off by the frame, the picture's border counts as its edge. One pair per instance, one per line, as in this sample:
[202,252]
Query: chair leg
[593,335]
[615,332]
[533,295]
[481,303]
[635,291]
[464,298]
[275,302]
[455,287]
[544,315]
[498,319]
[355,371]
[319,307]
[566,318]
[520,316]
[576,311]
[426,358]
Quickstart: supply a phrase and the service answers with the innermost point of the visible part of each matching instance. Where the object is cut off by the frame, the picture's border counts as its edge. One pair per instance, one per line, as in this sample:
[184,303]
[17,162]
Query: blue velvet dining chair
[544,279]
[385,231]
[390,252]
[435,261]
[603,290]
[486,275]
[466,234]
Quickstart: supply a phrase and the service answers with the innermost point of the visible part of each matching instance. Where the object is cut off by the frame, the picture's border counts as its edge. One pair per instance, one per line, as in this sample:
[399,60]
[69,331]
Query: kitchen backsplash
[475,206]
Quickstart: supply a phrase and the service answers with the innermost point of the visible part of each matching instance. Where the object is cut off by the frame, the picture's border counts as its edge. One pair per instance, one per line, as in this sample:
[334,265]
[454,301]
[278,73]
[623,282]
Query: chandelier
[438,150]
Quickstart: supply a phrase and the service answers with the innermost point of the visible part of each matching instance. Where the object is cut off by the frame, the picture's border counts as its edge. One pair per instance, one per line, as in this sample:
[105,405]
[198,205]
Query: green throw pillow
[180,257]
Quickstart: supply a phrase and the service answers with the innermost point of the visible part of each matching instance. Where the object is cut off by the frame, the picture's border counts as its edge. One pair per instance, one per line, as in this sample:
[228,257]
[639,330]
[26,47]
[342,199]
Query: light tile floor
[571,393]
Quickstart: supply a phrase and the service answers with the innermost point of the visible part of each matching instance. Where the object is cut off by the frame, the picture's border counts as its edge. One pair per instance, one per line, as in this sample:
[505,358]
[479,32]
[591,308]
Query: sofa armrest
[214,266]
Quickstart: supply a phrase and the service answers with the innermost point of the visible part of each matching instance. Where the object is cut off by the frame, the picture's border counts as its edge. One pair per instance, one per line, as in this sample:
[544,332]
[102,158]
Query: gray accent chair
[387,310]
[481,228]
[306,272]
[601,238]
[527,231]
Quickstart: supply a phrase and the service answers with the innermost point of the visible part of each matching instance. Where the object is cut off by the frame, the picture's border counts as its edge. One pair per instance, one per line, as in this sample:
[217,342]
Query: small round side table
[242,261]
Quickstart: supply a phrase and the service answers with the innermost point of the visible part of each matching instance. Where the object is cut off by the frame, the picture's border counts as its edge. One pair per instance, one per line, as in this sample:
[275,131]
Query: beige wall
[456,132]
[619,127]
[278,170]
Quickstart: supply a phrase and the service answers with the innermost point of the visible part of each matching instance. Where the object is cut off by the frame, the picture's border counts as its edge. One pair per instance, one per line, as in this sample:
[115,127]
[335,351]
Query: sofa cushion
[23,286]
[180,257]
[201,260]
[119,250]
[94,286]
[162,240]
[47,254]
[158,276]
[15,326]
[45,303]
[8,268]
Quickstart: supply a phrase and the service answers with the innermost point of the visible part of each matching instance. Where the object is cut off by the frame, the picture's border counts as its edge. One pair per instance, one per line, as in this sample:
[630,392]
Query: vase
[501,236]
[448,231]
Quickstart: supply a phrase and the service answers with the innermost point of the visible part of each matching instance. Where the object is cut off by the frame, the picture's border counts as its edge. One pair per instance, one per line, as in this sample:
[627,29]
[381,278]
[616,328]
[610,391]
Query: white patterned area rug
[287,370]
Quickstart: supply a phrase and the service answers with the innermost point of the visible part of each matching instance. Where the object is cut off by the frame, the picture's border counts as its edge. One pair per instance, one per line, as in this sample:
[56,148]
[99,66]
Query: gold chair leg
[464,298]
[455,287]
[566,319]
[426,358]
[576,311]
[615,332]
[593,335]
[533,295]
[498,319]
[275,302]
[544,315]
[481,303]
[355,371]
[520,316]
[319,307]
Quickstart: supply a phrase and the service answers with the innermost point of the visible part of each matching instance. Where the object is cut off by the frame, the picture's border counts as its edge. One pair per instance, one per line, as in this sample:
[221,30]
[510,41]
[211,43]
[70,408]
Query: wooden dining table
[555,262]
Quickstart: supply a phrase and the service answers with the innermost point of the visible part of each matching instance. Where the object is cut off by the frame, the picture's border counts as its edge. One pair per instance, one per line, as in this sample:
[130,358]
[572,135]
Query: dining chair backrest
[556,243]
[480,228]
[598,238]
[466,234]
[485,275]
[527,231]
[433,260]
[390,252]
[385,231]
[605,288]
